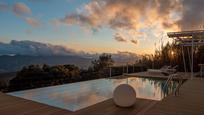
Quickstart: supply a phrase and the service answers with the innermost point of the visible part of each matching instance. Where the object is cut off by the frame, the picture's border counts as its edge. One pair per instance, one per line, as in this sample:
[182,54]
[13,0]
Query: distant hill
[14,63]
[16,54]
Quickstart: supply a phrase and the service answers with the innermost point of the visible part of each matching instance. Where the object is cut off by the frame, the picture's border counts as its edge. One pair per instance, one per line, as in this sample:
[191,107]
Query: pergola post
[110,74]
[189,58]
[192,50]
[184,61]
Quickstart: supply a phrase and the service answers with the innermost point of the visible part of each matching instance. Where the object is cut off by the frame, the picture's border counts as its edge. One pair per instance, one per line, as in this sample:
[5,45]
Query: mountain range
[16,54]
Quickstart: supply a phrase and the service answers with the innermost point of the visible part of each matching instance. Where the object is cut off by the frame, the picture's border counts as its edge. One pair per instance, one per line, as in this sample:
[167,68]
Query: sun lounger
[164,69]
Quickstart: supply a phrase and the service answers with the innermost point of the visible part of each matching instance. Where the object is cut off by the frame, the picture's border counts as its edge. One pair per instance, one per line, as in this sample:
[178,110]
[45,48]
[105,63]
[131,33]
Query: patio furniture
[164,69]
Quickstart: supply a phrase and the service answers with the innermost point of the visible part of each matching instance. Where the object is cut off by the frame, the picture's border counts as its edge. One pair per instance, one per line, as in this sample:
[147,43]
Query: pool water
[75,96]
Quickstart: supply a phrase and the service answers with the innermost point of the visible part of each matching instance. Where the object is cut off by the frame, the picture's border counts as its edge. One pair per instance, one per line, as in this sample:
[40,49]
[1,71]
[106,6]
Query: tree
[34,76]
[171,54]
[46,67]
[104,61]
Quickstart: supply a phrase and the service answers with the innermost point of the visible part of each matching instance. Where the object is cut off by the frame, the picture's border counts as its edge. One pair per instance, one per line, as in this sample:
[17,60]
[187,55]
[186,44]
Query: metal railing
[124,69]
[170,78]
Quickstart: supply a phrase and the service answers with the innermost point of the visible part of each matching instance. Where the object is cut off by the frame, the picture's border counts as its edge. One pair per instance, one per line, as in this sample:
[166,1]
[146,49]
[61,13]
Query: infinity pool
[76,96]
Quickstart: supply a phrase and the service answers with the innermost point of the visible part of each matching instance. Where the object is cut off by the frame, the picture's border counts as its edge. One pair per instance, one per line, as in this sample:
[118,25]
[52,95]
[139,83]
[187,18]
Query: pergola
[188,39]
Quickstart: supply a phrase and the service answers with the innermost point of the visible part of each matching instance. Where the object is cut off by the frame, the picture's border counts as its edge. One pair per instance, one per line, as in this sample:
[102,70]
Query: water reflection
[76,96]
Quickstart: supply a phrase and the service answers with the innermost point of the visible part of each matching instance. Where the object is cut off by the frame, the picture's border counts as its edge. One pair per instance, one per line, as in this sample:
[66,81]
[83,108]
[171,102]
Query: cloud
[119,38]
[33,48]
[126,15]
[32,21]
[131,16]
[80,20]
[4,6]
[21,9]
[134,42]
[192,15]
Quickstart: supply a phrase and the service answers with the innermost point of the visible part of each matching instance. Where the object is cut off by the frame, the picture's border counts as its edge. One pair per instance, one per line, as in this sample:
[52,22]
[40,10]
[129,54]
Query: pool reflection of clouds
[147,89]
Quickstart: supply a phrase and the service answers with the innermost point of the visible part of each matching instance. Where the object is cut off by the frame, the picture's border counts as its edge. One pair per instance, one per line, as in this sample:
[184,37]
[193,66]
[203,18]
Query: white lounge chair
[164,69]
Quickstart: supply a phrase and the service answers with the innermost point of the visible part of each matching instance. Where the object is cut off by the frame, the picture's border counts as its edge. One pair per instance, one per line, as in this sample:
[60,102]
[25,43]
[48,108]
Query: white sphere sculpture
[124,95]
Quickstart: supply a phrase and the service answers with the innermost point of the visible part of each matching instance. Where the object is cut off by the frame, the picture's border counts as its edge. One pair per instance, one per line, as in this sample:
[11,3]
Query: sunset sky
[96,25]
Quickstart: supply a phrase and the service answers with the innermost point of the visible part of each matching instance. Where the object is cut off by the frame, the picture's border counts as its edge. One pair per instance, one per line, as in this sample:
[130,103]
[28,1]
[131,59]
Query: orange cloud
[21,9]
[134,42]
[126,17]
[32,21]
[119,38]
[130,17]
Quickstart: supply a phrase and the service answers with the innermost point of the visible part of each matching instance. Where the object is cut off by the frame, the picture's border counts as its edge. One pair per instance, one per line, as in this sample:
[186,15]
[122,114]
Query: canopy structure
[188,39]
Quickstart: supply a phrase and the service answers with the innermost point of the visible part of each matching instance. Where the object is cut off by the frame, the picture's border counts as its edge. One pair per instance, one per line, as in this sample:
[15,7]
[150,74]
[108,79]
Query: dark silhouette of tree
[171,54]
[100,66]
[34,76]
[104,61]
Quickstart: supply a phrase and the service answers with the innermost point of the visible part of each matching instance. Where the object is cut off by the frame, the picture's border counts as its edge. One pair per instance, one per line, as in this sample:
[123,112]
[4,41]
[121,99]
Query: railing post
[110,73]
